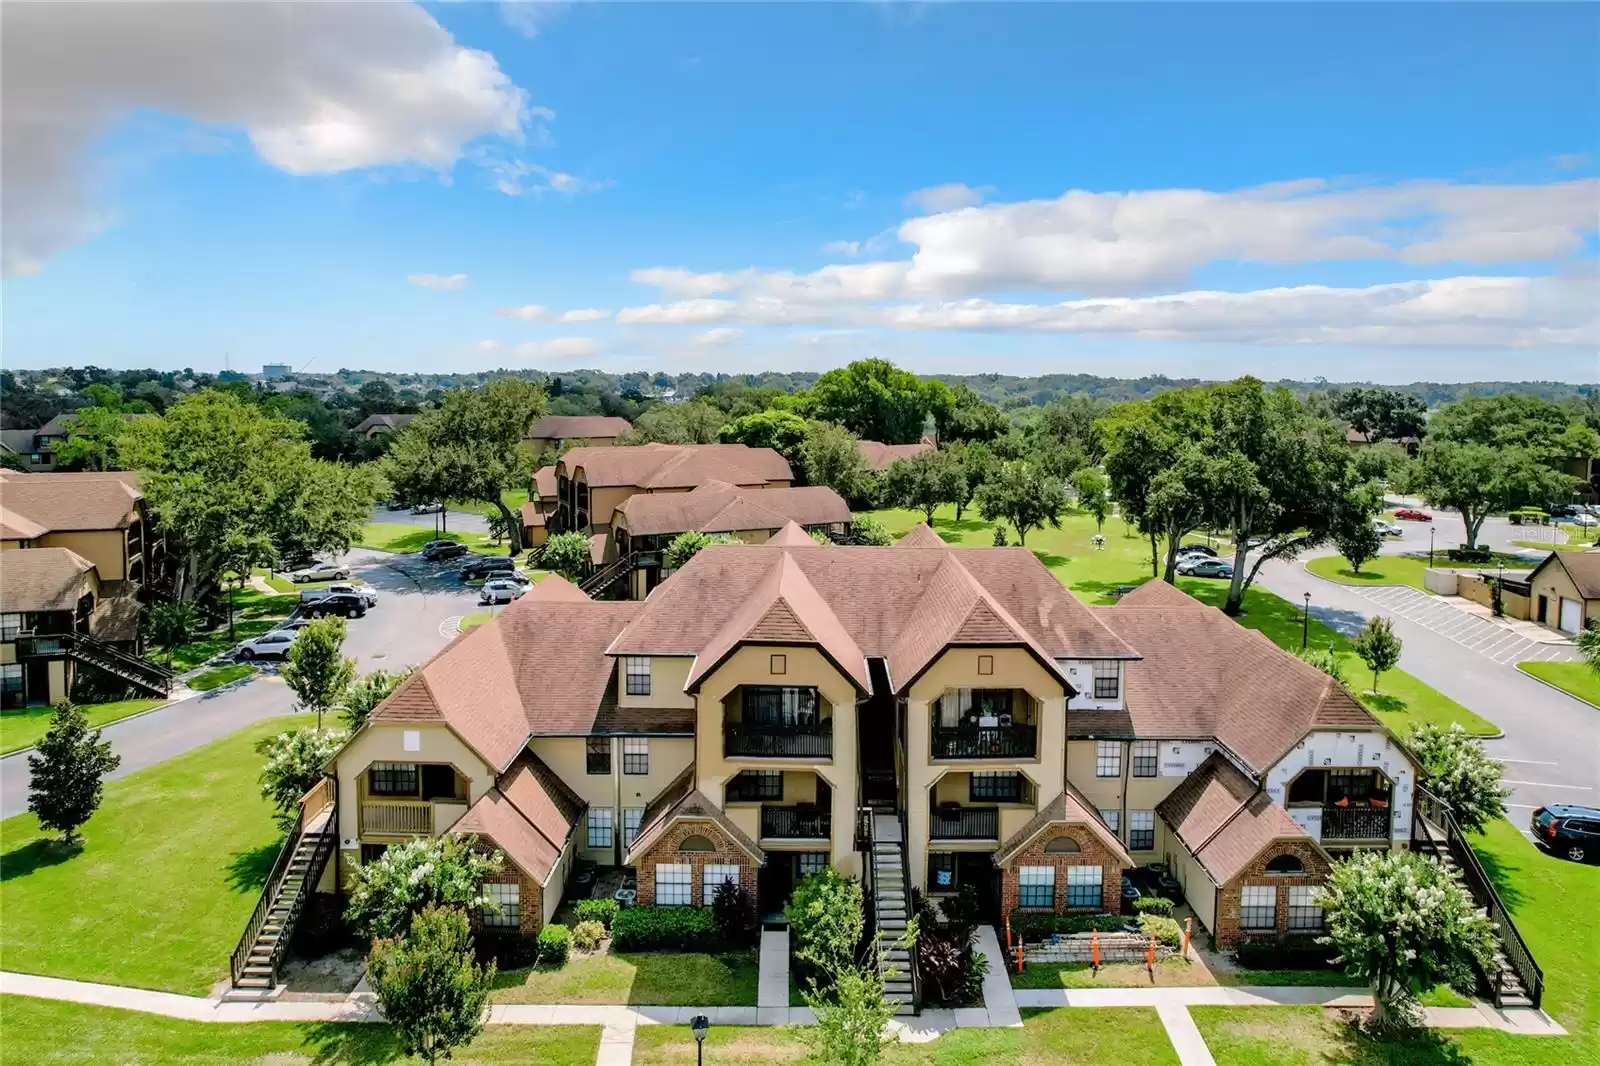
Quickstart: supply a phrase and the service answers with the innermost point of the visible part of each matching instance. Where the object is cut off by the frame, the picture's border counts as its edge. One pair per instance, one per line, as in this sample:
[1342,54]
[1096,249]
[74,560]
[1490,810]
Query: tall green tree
[429,985]
[1071,420]
[924,482]
[1382,414]
[977,462]
[1378,647]
[363,694]
[1023,495]
[969,417]
[1483,479]
[1354,533]
[678,423]
[1143,441]
[831,456]
[172,623]
[92,436]
[318,671]
[876,400]
[782,431]
[67,772]
[567,554]
[1092,487]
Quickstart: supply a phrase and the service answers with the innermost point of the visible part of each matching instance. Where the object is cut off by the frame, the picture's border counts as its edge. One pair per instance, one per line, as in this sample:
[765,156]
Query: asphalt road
[455,521]
[404,629]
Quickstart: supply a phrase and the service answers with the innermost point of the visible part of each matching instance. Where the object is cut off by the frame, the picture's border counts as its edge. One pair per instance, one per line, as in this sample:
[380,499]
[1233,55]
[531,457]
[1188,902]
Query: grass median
[1578,680]
[400,537]
[1403,569]
[24,726]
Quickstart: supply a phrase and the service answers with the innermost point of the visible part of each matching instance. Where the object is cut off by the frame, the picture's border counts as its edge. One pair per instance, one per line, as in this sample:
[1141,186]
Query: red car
[1413,516]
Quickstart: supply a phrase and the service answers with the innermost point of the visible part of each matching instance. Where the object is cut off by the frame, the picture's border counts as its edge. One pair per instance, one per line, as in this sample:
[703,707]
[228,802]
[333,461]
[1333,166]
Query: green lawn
[661,979]
[1574,678]
[45,1032]
[255,613]
[1092,576]
[284,584]
[514,499]
[170,869]
[473,620]
[1400,569]
[22,727]
[400,537]
[1571,545]
[1065,1037]
[219,676]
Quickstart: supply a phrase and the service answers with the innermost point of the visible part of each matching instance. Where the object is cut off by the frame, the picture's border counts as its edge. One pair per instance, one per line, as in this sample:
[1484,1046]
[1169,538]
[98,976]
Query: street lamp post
[1305,624]
[699,1025]
[1430,546]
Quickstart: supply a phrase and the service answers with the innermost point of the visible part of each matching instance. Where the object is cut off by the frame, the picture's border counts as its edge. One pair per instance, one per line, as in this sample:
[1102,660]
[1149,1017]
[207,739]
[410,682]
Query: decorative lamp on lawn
[700,1025]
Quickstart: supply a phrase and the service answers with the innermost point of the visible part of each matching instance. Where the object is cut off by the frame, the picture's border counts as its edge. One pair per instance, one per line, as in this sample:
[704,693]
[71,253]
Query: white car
[500,590]
[364,591]
[1584,518]
[1387,529]
[273,645]
[320,571]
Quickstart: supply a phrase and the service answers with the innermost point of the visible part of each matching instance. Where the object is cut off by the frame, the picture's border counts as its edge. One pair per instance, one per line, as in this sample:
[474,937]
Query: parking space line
[1546,784]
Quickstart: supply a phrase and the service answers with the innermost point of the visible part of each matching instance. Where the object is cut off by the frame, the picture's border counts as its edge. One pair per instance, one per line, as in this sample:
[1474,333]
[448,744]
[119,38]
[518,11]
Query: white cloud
[720,335]
[583,314]
[953,196]
[558,348]
[487,346]
[539,313]
[528,17]
[850,248]
[518,177]
[439,282]
[527,312]
[319,89]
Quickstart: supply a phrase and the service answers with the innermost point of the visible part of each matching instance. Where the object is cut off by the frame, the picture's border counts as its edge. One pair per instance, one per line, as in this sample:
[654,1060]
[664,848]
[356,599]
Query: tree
[1378,647]
[1356,537]
[851,1019]
[924,482]
[567,554]
[1143,442]
[1071,420]
[969,417]
[67,772]
[677,423]
[1399,920]
[408,877]
[687,545]
[172,623]
[362,695]
[471,447]
[1326,660]
[429,986]
[325,509]
[977,462]
[1092,487]
[1460,773]
[831,457]
[92,435]
[1481,479]
[1588,643]
[316,672]
[1382,414]
[1382,462]
[782,431]
[1023,495]
[876,400]
[867,530]
[296,760]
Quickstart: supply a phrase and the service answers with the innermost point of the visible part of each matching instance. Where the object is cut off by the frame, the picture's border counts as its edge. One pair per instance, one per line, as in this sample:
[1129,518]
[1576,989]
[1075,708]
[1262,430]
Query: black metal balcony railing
[964,823]
[1356,823]
[794,823]
[761,740]
[985,742]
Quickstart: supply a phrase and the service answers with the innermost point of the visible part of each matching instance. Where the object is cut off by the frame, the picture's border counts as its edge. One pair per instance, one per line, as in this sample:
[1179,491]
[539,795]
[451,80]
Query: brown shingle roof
[544,482]
[792,536]
[494,817]
[678,466]
[1582,567]
[920,535]
[679,801]
[1224,819]
[564,427]
[532,517]
[542,797]
[14,526]
[73,502]
[391,422]
[42,579]
[717,507]
[881,456]
[1204,676]
[1069,807]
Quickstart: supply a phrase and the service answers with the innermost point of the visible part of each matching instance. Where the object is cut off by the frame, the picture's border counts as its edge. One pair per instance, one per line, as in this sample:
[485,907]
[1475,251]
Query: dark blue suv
[1569,831]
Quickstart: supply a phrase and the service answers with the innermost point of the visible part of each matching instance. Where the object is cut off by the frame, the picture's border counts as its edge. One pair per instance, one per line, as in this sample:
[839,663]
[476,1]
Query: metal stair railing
[269,897]
[98,653]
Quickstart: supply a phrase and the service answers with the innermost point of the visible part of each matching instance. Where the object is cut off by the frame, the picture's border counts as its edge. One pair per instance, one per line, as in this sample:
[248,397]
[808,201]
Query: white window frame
[602,819]
[1255,902]
[1104,670]
[10,625]
[712,875]
[507,896]
[678,879]
[1108,758]
[1141,822]
[1305,912]
[636,675]
[632,818]
[636,748]
[1112,818]
[816,860]
[1036,878]
[1083,877]
[1147,752]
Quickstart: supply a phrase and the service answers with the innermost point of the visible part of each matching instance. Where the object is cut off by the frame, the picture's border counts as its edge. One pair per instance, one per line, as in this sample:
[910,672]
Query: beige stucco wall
[386,743]
[60,687]
[958,668]
[103,548]
[1199,891]
[616,790]
[1554,583]
[803,667]
[668,675]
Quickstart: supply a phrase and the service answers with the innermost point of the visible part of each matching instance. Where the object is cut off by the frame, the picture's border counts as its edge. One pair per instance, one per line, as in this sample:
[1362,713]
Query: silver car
[320,571]
[273,645]
[500,590]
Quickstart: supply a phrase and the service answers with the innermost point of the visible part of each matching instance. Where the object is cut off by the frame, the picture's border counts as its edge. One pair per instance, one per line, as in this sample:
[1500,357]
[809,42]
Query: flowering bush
[295,762]
[445,870]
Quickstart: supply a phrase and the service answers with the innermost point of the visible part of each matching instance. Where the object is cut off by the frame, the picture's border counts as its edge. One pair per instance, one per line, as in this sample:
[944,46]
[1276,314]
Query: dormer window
[636,675]
[1107,679]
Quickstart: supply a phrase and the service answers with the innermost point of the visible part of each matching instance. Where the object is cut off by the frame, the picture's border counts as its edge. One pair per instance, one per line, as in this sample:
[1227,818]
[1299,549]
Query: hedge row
[1038,926]
[662,929]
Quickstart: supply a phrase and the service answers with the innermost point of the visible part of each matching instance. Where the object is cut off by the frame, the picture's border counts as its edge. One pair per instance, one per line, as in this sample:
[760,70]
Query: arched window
[1285,864]
[697,843]
[1062,846]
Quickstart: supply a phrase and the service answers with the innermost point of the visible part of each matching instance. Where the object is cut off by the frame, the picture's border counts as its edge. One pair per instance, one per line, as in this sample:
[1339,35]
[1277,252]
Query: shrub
[449,870]
[952,972]
[999,538]
[1157,905]
[1325,660]
[865,529]
[586,936]
[555,944]
[661,929]
[603,911]
[1167,932]
[733,912]
[1039,926]
[1286,953]
[507,949]
[567,554]
[825,920]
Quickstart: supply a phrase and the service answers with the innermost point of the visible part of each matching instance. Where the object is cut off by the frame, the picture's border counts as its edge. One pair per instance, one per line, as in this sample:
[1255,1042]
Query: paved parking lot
[1485,637]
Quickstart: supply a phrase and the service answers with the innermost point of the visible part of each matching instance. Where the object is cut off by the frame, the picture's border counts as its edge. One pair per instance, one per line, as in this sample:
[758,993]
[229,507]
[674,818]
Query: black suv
[347,604]
[1569,831]
[483,567]
[435,550]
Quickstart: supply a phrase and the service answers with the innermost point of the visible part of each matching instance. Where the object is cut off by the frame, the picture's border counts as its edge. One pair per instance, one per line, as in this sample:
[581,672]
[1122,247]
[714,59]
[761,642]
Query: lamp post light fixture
[1305,624]
[1430,545]
[700,1025]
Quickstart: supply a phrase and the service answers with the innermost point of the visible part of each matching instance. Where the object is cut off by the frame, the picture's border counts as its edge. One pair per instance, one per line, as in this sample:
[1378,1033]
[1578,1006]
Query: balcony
[765,740]
[964,823]
[796,823]
[397,817]
[985,742]
[1356,823]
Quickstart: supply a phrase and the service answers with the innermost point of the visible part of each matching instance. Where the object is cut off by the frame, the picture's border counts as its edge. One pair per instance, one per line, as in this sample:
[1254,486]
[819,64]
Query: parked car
[1387,529]
[308,596]
[1198,549]
[347,604]
[1411,514]
[1568,830]
[1205,568]
[1584,518]
[427,508]
[320,571]
[499,590]
[394,505]
[483,566]
[273,645]
[435,550]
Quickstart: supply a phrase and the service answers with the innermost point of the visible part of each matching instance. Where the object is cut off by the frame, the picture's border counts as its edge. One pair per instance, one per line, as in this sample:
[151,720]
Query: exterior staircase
[604,580]
[1504,981]
[259,953]
[891,903]
[134,669]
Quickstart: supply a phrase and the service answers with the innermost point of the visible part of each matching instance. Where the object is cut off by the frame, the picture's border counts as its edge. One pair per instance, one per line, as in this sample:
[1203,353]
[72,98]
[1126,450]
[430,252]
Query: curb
[119,721]
[1558,688]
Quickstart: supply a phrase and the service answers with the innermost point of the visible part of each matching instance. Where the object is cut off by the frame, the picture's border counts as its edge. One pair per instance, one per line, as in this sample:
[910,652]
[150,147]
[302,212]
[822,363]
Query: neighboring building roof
[62,502]
[14,526]
[18,441]
[792,536]
[1207,677]
[1355,436]
[677,466]
[60,425]
[391,422]
[544,482]
[566,427]
[881,456]
[41,579]
[532,517]
[1224,819]
[1069,807]
[717,507]
[494,816]
[1582,567]
[681,801]
[921,535]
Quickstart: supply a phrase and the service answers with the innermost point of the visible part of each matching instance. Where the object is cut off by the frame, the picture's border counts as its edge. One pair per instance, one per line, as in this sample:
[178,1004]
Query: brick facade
[1091,852]
[530,898]
[665,850]
[1228,932]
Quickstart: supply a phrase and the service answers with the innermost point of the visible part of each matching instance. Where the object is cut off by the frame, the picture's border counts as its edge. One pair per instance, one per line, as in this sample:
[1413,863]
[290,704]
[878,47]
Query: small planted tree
[1399,920]
[825,919]
[296,760]
[429,986]
[924,482]
[1378,647]
[1357,540]
[1093,489]
[567,554]
[172,624]
[1589,646]
[317,672]
[851,1020]
[1025,495]
[363,694]
[1460,773]
[67,773]
[448,870]
[686,546]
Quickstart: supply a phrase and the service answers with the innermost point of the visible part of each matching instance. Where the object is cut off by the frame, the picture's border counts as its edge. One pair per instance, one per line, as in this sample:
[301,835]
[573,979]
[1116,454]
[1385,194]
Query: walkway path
[1185,1035]
[772,985]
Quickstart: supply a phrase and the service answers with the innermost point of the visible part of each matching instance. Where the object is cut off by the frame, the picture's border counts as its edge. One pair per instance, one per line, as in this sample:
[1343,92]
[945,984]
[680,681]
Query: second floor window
[10,626]
[1146,757]
[597,755]
[998,788]
[392,779]
[1107,679]
[636,675]
[636,755]
[753,785]
[1141,830]
[779,705]
[1108,758]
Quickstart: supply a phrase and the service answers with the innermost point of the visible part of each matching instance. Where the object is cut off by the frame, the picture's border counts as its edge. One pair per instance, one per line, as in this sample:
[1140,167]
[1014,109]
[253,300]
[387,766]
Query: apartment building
[772,708]
[879,456]
[554,433]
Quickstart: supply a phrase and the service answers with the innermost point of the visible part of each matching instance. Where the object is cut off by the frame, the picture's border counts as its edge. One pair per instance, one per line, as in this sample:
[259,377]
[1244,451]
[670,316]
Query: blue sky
[307,184]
